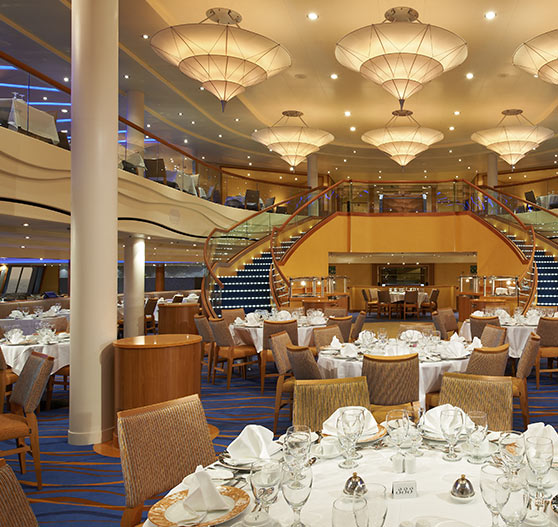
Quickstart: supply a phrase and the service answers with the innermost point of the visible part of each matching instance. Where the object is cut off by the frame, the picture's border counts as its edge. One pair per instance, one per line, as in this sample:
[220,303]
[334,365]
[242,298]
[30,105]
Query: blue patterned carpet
[82,487]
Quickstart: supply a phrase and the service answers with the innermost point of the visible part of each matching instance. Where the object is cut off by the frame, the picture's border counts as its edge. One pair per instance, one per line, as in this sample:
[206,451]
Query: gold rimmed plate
[164,512]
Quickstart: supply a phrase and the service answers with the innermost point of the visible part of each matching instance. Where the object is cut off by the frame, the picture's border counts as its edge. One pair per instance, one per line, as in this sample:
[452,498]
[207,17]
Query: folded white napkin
[254,442]
[192,297]
[532,319]
[317,320]
[542,430]
[456,338]
[349,350]
[238,321]
[202,493]
[252,319]
[555,315]
[335,343]
[370,426]
[366,338]
[501,291]
[161,300]
[478,313]
[16,313]
[412,335]
[453,350]
[431,420]
[51,312]
[284,315]
[14,336]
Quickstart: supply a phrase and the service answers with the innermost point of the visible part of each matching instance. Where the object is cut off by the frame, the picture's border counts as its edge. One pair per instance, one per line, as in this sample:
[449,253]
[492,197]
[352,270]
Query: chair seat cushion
[11,377]
[12,426]
[239,352]
[289,384]
[380,411]
[548,351]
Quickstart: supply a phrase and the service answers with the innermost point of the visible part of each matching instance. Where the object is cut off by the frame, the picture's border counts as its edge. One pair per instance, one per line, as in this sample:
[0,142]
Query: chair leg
[20,442]
[209,362]
[2,392]
[261,358]
[49,388]
[538,372]
[278,398]
[229,372]
[131,517]
[35,449]
[524,404]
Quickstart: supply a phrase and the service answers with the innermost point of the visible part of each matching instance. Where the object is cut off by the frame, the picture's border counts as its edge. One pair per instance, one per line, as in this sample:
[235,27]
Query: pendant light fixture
[223,57]
[402,143]
[539,56]
[292,142]
[401,54]
[513,142]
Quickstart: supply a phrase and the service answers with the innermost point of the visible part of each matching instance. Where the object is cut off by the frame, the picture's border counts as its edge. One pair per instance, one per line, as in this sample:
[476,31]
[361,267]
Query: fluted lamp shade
[401,54]
[539,56]
[225,59]
[292,143]
[402,143]
[513,142]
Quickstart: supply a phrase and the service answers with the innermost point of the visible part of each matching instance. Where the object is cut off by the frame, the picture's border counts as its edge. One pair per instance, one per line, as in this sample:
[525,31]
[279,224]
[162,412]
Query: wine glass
[476,434]
[265,479]
[436,337]
[377,504]
[397,424]
[350,425]
[296,490]
[382,335]
[350,511]
[539,452]
[493,494]
[514,511]
[415,431]
[296,446]
[451,424]
[511,445]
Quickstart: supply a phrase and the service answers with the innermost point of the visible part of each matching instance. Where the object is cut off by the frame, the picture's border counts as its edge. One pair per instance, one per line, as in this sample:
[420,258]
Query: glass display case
[470,284]
[500,286]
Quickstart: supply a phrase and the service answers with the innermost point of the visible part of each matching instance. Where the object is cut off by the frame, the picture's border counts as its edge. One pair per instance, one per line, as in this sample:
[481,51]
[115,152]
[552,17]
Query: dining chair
[208,342]
[316,400]
[230,315]
[366,297]
[488,361]
[271,327]
[15,510]
[285,379]
[385,305]
[59,324]
[547,329]
[324,336]
[149,314]
[335,311]
[21,422]
[357,326]
[344,325]
[373,300]
[524,368]
[430,305]
[440,325]
[7,379]
[303,364]
[493,336]
[160,444]
[54,380]
[489,394]
[410,304]
[450,322]
[252,199]
[478,324]
[177,299]
[227,351]
[393,382]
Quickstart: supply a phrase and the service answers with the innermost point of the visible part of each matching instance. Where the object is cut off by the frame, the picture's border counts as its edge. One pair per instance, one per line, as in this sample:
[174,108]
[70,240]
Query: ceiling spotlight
[312,16]
[334,76]
[45,98]
[148,125]
[185,140]
[354,151]
[202,88]
[64,110]
[457,112]
[26,224]
[193,122]
[126,76]
[469,75]
[490,15]
[144,36]
[347,113]
[220,135]
[344,160]
[247,157]
[66,79]
[237,119]
[451,151]
[451,128]
[180,114]
[23,246]
[291,169]
[352,128]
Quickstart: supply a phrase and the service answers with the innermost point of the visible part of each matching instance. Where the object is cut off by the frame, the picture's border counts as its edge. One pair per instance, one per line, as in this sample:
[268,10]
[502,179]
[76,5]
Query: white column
[492,169]
[94,219]
[135,111]
[134,285]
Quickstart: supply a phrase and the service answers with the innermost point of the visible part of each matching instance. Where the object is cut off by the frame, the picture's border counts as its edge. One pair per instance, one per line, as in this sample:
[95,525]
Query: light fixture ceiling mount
[539,56]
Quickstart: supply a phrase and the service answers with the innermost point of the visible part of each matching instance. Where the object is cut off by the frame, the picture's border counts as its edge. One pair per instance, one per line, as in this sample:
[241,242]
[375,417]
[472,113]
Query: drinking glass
[397,424]
[296,490]
[415,431]
[451,424]
[436,337]
[377,504]
[476,434]
[493,494]
[514,511]
[265,479]
[38,311]
[512,450]
[382,335]
[539,452]
[350,425]
[350,511]
[25,311]
[296,446]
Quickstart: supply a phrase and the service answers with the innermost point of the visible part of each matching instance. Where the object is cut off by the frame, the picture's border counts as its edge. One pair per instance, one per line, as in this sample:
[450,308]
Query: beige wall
[357,273]
[449,273]
[50,278]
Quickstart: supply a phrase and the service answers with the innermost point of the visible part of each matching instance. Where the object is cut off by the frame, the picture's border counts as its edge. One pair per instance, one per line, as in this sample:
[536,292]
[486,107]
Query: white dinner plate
[313,438]
[329,351]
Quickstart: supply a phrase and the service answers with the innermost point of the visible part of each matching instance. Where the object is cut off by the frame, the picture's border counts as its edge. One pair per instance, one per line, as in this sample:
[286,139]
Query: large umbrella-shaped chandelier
[224,58]
[539,56]
[513,142]
[292,143]
[402,143]
[401,54]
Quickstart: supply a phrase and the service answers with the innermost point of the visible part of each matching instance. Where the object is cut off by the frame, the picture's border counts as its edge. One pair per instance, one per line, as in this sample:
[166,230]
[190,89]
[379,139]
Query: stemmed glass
[514,511]
[296,446]
[382,335]
[539,452]
[296,490]
[415,431]
[265,479]
[493,494]
[350,425]
[451,424]
[476,434]
[350,511]
[397,424]
[511,445]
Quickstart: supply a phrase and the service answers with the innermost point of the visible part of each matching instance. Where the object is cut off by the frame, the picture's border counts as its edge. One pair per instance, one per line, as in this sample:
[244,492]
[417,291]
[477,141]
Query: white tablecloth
[430,373]
[434,478]
[28,325]
[31,119]
[399,297]
[516,336]
[254,336]
[17,355]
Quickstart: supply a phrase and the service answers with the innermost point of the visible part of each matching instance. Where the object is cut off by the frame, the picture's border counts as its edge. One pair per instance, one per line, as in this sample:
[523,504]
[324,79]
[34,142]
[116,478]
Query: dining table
[516,336]
[16,354]
[30,323]
[433,505]
[253,335]
[399,296]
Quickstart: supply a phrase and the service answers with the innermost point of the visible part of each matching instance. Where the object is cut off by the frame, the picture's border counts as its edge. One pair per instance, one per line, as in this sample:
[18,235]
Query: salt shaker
[410,464]
[398,462]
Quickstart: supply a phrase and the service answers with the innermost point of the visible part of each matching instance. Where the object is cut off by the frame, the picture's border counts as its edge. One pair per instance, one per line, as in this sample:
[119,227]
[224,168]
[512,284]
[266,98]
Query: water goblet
[493,494]
[350,511]
[451,424]
[511,445]
[350,425]
[416,431]
[24,311]
[476,434]
[296,490]
[436,337]
[38,311]
[382,335]
[397,424]
[539,453]
[296,446]
[514,511]
[265,480]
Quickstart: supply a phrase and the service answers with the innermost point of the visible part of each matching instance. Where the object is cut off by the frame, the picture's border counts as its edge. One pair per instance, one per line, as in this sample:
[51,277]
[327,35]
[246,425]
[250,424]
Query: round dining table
[16,354]
[253,335]
[31,323]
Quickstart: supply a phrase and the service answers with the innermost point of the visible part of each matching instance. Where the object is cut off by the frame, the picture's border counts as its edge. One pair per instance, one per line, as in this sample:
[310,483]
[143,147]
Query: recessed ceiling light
[347,113]
[237,119]
[451,151]
[26,224]
[352,128]
[202,88]
[64,131]
[280,177]
[250,164]
[149,237]
[27,237]
[334,76]
[459,160]
[524,175]
[145,36]
[509,177]
[185,140]
[425,177]
[536,76]
[379,171]
[457,112]
[469,75]
[126,76]
[490,15]
[148,125]
[468,168]
[203,157]
[248,173]
[312,16]
[66,79]
[23,246]
[64,110]
[296,179]
[193,122]
[220,135]
[180,114]
[425,171]
[379,177]
[451,128]
[344,160]
[45,98]
[354,151]
[255,129]
[291,169]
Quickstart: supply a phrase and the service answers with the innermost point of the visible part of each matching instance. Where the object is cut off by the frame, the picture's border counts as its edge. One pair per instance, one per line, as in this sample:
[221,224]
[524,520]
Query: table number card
[404,489]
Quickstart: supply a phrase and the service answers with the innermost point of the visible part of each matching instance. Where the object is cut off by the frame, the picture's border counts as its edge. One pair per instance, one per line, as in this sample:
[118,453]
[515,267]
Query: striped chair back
[493,336]
[279,344]
[357,326]
[271,327]
[478,324]
[303,363]
[230,315]
[528,357]
[344,324]
[324,336]
[15,510]
[488,361]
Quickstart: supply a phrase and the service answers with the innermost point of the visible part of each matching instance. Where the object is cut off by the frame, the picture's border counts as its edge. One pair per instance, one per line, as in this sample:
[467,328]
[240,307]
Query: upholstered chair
[410,304]
[488,361]
[357,326]
[303,363]
[524,368]
[149,314]
[208,342]
[344,324]
[230,315]
[478,324]
[15,510]
[548,349]
[431,305]
[7,379]
[270,328]
[450,322]
[493,336]
[324,336]
[285,380]
[335,311]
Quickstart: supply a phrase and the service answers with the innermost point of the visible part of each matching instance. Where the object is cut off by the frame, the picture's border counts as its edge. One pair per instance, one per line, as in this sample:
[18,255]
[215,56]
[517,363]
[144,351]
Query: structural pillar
[492,170]
[94,241]
[134,286]
[135,111]
[312,179]
[160,277]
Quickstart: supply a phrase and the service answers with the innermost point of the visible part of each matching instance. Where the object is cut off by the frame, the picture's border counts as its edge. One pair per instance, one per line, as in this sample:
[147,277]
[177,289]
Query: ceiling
[38,33]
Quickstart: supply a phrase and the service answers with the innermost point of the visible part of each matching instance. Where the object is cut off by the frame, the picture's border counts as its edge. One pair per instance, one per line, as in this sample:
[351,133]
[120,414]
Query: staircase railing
[223,246]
